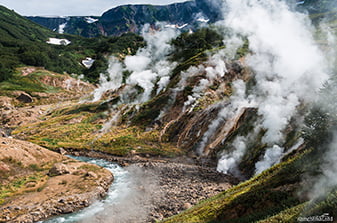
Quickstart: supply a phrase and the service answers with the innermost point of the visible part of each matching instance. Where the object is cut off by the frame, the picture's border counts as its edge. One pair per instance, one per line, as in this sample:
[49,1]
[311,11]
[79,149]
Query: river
[117,192]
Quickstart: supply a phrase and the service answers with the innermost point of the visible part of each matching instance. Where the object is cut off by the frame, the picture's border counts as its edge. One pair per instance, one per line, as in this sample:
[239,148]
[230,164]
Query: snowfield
[56,41]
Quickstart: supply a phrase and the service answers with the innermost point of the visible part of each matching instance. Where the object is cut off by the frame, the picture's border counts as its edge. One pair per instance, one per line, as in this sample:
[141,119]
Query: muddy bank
[161,187]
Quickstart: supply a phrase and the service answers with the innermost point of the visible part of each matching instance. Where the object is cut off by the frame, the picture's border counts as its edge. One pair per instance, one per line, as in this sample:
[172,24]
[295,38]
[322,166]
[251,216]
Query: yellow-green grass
[286,216]
[19,185]
[80,131]
[29,83]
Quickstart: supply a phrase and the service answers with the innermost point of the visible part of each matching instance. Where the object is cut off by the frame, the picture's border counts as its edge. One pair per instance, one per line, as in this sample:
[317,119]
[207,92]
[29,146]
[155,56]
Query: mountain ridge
[130,18]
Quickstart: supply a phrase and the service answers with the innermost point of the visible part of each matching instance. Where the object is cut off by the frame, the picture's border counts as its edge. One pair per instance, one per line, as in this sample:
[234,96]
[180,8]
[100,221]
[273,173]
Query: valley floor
[161,187]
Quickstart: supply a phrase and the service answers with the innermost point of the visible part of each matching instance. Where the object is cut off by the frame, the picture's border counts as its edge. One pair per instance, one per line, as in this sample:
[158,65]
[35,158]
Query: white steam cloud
[288,65]
[112,81]
[229,112]
[214,68]
[150,66]
[228,162]
[273,155]
[148,69]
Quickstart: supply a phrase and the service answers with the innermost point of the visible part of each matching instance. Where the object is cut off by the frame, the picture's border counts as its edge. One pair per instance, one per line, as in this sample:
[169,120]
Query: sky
[72,7]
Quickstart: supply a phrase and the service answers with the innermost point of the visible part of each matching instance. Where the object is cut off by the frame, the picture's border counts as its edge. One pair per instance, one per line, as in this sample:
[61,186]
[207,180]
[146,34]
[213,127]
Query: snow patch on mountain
[90,20]
[88,62]
[176,26]
[56,41]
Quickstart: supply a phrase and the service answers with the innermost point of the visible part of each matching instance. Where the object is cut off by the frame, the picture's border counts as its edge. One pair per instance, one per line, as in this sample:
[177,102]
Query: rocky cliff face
[77,25]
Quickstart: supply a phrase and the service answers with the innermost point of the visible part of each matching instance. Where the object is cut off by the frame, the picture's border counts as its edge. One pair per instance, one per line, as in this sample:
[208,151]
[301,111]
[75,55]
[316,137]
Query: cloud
[72,7]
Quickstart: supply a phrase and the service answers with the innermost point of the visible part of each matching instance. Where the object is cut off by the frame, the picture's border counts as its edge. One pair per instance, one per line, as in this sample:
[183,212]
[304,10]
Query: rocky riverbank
[36,183]
[161,187]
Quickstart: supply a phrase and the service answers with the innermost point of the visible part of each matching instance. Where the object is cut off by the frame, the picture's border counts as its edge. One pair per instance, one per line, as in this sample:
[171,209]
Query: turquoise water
[117,192]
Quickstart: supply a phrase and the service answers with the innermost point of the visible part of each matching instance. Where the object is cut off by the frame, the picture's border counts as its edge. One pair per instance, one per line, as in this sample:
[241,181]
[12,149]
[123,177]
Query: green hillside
[25,43]
[14,27]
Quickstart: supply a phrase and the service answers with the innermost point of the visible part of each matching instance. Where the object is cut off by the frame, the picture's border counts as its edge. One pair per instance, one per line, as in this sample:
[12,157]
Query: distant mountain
[78,25]
[130,18]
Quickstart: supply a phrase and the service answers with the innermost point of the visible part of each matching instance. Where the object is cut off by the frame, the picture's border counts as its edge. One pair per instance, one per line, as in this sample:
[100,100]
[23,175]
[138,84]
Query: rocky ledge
[37,183]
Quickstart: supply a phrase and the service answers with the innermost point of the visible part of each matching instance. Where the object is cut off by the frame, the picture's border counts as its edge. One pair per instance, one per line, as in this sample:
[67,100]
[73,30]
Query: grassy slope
[30,83]
[43,85]
[23,42]
[272,196]
[14,26]
[78,127]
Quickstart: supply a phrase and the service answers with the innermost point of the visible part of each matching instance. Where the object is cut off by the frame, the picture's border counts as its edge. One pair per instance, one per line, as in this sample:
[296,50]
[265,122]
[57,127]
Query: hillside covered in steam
[252,96]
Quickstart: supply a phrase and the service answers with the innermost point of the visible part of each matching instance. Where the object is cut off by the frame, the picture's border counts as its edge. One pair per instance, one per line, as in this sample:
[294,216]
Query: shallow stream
[117,192]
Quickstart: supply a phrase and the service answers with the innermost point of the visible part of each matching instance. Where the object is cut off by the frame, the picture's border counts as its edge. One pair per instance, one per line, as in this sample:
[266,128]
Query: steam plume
[288,65]
[148,69]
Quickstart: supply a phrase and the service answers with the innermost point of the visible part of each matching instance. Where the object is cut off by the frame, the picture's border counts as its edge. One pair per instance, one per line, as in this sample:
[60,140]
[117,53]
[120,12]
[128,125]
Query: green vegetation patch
[24,42]
[76,128]
[30,83]
[90,107]
[18,186]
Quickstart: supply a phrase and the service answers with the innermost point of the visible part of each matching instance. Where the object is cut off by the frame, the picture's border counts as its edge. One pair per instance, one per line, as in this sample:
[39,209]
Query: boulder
[187,206]
[58,169]
[92,175]
[25,98]
[62,151]
[3,134]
